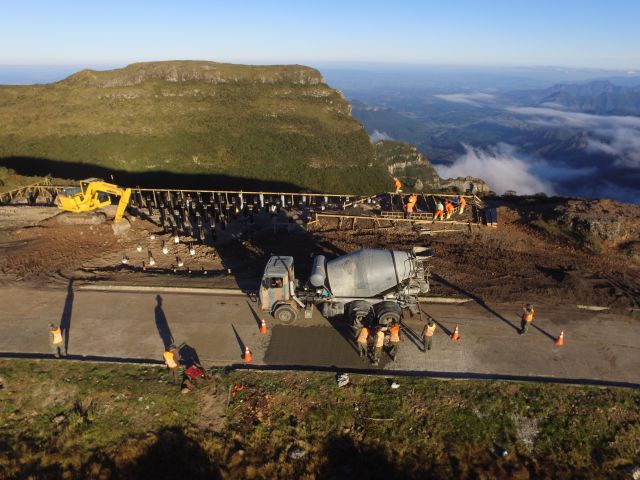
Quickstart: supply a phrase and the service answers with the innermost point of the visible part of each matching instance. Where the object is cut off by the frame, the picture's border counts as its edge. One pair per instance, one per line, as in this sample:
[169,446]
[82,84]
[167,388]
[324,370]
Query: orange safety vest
[398,185]
[395,334]
[411,203]
[363,335]
[429,330]
[527,316]
[57,336]
[379,339]
[169,359]
[463,202]
[449,207]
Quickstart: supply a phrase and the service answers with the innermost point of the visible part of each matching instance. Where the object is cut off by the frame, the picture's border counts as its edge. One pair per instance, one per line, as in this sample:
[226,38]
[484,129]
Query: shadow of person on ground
[543,331]
[411,334]
[65,319]
[173,455]
[188,355]
[347,460]
[475,298]
[162,325]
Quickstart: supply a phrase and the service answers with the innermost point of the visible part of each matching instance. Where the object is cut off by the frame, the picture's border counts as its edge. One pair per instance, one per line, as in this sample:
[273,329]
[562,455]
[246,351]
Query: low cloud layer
[614,135]
[377,136]
[475,99]
[501,167]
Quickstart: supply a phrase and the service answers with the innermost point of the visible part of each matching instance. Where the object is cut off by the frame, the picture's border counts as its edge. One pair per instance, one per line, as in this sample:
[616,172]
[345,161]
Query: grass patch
[74,420]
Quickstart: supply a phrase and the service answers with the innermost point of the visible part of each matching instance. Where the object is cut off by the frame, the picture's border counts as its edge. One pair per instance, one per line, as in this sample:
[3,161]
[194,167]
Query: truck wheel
[285,314]
[388,313]
[358,313]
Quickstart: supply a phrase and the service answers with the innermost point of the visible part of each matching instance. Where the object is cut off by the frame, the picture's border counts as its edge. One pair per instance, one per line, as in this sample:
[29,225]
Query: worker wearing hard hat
[397,184]
[439,211]
[394,340]
[363,341]
[56,340]
[377,347]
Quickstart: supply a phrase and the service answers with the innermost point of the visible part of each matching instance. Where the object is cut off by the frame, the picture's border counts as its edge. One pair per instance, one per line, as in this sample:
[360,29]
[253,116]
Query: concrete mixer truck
[366,286]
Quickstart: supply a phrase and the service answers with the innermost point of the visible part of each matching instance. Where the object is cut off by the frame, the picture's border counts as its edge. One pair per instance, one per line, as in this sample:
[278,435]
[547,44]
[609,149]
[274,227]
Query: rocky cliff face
[416,171]
[194,71]
[600,225]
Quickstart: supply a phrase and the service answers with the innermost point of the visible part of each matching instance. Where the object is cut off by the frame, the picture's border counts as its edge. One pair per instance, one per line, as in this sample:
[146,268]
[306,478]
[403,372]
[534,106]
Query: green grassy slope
[269,122]
[86,420]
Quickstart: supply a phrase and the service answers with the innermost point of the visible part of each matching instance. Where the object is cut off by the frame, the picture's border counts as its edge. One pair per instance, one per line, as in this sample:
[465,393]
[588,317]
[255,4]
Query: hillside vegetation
[85,420]
[271,123]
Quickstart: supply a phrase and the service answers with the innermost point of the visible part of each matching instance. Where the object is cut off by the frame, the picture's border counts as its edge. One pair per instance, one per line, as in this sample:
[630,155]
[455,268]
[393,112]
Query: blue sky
[574,33]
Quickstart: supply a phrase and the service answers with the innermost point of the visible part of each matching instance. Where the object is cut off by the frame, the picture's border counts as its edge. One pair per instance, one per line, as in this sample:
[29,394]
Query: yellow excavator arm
[94,193]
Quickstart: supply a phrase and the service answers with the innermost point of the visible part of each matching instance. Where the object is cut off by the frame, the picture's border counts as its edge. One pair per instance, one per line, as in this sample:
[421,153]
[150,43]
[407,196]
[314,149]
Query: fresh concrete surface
[599,347]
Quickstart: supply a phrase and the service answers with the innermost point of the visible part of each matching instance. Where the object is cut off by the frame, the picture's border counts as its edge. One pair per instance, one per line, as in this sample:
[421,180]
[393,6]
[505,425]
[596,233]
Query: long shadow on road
[475,298]
[162,325]
[67,311]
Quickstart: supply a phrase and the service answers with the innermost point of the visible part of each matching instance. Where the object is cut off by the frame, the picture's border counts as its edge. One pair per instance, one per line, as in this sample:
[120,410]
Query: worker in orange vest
[461,204]
[448,206]
[363,341]
[394,340]
[439,212]
[527,317]
[411,203]
[172,362]
[397,184]
[56,340]
[377,347]
[427,334]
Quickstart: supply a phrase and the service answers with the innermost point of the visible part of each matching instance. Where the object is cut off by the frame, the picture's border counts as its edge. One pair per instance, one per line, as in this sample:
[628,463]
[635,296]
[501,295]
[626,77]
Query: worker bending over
[527,317]
[172,362]
[397,184]
[448,206]
[427,334]
[377,347]
[363,341]
[394,340]
[439,211]
[56,340]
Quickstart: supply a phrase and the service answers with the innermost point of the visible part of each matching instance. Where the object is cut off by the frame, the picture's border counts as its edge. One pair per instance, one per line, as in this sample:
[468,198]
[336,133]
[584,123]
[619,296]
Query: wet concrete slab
[315,345]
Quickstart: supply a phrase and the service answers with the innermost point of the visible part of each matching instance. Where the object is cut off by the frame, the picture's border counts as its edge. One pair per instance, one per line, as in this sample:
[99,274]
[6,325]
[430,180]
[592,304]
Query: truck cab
[277,289]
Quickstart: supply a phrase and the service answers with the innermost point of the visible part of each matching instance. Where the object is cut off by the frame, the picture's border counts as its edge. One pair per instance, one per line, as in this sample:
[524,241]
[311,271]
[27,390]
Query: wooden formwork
[32,194]
[320,205]
[363,222]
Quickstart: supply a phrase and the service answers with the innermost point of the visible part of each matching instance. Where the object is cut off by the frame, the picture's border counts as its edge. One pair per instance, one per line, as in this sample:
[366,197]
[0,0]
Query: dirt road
[599,347]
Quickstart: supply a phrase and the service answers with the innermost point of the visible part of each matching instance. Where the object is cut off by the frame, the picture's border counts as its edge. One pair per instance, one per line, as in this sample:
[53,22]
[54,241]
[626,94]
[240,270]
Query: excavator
[93,193]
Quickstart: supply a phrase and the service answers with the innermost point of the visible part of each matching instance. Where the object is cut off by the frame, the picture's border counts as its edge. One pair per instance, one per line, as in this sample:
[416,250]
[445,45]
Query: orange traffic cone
[263,326]
[455,336]
[247,354]
[560,340]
